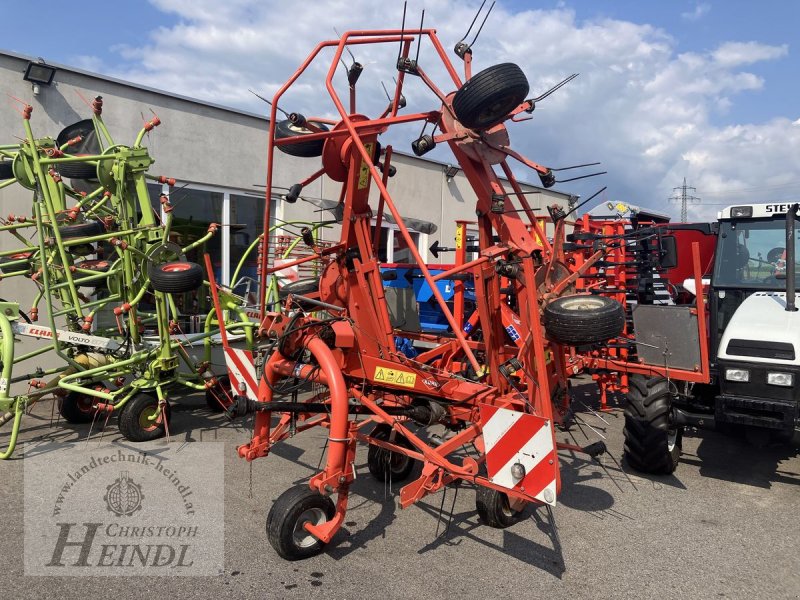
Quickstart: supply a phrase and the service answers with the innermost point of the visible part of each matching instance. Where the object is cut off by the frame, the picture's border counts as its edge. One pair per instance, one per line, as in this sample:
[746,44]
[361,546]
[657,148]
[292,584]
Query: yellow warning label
[394,376]
[363,174]
[459,238]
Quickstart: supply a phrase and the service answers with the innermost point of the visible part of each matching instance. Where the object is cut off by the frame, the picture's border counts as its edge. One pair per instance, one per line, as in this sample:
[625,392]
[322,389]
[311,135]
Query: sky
[706,90]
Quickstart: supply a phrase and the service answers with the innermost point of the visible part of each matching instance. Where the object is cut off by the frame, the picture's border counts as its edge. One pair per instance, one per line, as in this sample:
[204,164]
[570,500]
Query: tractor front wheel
[287,518]
[652,443]
[136,422]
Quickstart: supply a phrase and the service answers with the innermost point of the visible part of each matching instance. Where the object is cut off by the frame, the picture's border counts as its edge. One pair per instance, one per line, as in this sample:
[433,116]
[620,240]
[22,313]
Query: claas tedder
[499,389]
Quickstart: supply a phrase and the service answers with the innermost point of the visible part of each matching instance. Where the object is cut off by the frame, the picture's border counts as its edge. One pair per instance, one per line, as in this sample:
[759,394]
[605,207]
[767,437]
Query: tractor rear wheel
[487,98]
[582,319]
[135,419]
[385,465]
[652,442]
[286,519]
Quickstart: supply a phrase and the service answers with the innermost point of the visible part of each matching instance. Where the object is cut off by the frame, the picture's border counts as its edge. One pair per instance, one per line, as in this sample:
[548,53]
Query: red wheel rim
[176,267]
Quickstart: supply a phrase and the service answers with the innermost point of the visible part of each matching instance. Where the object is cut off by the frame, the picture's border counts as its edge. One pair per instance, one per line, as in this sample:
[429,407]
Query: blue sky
[703,89]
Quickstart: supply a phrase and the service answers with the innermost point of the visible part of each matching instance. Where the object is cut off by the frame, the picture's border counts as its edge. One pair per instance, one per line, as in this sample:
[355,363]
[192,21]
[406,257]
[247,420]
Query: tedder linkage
[498,390]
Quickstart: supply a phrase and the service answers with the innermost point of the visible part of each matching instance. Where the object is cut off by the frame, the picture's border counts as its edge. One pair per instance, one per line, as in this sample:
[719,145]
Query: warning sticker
[394,376]
[363,175]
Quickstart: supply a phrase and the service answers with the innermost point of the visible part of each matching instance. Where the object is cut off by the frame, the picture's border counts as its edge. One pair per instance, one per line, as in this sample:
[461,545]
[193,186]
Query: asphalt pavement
[725,525]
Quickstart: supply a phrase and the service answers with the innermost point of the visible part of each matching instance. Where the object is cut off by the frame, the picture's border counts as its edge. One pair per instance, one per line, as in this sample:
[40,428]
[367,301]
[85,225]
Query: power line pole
[684,199]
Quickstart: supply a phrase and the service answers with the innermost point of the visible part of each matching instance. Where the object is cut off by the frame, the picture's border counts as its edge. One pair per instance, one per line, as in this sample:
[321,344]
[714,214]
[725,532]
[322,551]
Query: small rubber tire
[385,465]
[215,395]
[652,444]
[292,509]
[285,129]
[133,423]
[6,172]
[77,408]
[308,286]
[81,230]
[77,170]
[176,277]
[493,507]
[99,266]
[490,95]
[582,319]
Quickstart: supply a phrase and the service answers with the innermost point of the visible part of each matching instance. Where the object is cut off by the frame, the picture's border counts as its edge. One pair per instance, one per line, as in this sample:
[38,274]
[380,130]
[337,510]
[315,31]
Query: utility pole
[684,198]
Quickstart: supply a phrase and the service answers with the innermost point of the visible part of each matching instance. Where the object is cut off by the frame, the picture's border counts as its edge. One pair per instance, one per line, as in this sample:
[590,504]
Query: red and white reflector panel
[513,438]
[241,370]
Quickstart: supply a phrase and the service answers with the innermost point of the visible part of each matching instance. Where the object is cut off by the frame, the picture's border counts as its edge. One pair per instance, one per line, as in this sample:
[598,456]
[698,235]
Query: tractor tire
[285,129]
[176,277]
[6,172]
[652,444]
[81,230]
[216,397]
[77,408]
[493,507]
[487,98]
[293,508]
[384,465]
[134,424]
[582,319]
[77,170]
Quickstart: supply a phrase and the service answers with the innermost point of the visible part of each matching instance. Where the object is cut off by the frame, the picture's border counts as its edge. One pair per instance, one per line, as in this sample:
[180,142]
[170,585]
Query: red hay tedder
[499,387]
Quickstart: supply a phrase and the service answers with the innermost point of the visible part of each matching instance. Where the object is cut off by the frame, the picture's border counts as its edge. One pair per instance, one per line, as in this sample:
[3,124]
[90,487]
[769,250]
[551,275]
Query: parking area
[724,526]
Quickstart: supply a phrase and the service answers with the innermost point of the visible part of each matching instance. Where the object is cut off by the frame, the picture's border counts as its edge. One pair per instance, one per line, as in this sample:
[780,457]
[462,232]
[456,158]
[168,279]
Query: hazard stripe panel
[241,370]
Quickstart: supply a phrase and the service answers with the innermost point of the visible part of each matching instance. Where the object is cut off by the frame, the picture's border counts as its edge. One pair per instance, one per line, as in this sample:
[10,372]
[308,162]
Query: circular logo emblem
[124,496]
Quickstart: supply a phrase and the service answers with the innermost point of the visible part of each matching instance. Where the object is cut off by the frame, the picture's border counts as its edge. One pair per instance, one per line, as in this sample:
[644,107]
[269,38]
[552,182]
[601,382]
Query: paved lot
[727,525]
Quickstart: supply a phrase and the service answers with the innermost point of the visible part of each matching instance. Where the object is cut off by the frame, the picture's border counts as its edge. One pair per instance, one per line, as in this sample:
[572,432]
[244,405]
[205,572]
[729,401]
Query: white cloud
[641,107]
[700,10]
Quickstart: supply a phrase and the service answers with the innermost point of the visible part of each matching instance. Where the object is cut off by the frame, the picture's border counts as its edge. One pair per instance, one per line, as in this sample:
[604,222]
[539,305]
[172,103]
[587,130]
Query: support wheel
[652,443]
[77,408]
[385,465]
[493,507]
[489,96]
[135,422]
[285,129]
[219,397]
[176,277]
[286,519]
[582,319]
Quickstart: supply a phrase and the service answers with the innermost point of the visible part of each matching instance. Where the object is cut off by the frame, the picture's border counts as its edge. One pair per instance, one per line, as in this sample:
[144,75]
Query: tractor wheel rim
[145,416]
[176,268]
[301,537]
[85,404]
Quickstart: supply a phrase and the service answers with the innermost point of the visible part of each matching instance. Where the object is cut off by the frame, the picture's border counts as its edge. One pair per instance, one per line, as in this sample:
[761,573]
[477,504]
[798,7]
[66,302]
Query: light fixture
[39,73]
[451,171]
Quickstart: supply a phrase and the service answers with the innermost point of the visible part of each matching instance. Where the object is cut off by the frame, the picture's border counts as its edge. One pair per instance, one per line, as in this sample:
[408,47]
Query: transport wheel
[79,230]
[385,465]
[6,172]
[218,398]
[308,286]
[134,419]
[176,277]
[487,98]
[652,443]
[493,507]
[78,170]
[77,408]
[583,319]
[99,266]
[286,519]
[285,129]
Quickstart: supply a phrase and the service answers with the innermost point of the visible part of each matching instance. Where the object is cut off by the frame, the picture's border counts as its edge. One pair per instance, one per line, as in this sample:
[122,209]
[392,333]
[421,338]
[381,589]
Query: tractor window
[751,254]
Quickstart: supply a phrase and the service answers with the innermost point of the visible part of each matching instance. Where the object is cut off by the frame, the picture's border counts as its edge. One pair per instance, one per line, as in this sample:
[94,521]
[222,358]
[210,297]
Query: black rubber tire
[308,286]
[77,408]
[99,266]
[581,319]
[176,277]
[285,129]
[294,507]
[648,447]
[385,465]
[77,170]
[6,171]
[487,98]
[80,230]
[131,416]
[215,395]
[493,507]
[581,236]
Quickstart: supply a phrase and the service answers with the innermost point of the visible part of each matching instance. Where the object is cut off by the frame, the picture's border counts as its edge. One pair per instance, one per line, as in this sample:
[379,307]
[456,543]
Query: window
[392,247]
